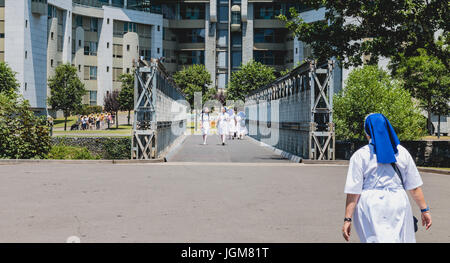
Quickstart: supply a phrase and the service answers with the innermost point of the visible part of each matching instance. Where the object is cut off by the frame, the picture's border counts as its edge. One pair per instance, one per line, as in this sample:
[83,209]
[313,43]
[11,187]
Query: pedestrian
[205,123]
[240,125]
[232,124]
[97,122]
[378,175]
[84,123]
[222,124]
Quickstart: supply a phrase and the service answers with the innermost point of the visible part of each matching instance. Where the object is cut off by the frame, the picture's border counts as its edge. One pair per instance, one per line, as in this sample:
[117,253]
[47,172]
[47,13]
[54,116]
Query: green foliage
[116,149]
[88,109]
[64,152]
[22,134]
[66,90]
[126,95]
[372,90]
[194,78]
[388,28]
[428,80]
[249,77]
[8,82]
[112,104]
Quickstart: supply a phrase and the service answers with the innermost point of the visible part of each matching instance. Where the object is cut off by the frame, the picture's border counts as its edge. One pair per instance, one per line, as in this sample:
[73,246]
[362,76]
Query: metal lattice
[305,101]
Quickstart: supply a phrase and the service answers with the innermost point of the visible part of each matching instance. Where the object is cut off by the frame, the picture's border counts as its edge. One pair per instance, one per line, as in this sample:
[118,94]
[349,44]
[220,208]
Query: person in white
[205,124]
[232,124]
[378,175]
[240,127]
[222,124]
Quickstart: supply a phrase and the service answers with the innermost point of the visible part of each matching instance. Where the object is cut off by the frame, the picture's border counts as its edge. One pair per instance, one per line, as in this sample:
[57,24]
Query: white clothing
[241,128]
[222,124]
[383,213]
[232,124]
[205,124]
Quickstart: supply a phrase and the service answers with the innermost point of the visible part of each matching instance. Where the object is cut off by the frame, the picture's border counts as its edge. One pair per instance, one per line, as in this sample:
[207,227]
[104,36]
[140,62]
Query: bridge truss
[304,99]
[156,125]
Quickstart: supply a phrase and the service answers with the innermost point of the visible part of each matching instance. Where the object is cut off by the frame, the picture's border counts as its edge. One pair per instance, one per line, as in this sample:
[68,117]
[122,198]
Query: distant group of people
[229,124]
[93,121]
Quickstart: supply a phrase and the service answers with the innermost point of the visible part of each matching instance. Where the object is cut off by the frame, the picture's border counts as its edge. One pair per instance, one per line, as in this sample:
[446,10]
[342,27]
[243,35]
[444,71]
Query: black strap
[397,171]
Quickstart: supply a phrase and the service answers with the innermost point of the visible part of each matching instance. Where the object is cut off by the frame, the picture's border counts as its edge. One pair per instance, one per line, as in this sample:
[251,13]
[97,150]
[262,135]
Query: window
[196,35]
[90,48]
[236,59]
[116,74]
[222,38]
[267,10]
[93,73]
[145,54]
[269,57]
[92,98]
[79,21]
[192,11]
[94,24]
[191,57]
[129,27]
[267,35]
[117,51]
[223,13]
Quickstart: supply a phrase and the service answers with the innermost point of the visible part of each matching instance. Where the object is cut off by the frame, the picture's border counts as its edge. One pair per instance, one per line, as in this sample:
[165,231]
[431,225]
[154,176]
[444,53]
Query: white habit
[241,128]
[383,213]
[222,124]
[232,124]
[205,123]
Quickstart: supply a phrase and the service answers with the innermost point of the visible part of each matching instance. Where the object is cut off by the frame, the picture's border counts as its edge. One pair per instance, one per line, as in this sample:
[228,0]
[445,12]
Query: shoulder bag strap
[397,171]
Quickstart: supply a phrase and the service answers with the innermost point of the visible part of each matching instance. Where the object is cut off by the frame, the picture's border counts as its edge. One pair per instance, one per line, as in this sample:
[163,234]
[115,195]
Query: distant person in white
[222,124]
[205,124]
[376,196]
[241,128]
[232,124]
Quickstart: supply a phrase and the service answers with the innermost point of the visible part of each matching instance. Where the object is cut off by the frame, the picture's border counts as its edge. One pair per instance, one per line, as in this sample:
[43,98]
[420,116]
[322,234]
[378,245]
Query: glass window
[90,48]
[191,57]
[236,40]
[192,11]
[93,73]
[223,13]
[269,57]
[196,35]
[236,59]
[267,35]
[267,10]
[93,98]
[222,36]
[94,24]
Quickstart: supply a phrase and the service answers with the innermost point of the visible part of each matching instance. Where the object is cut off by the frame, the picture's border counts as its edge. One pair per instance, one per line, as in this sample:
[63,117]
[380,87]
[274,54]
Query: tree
[249,77]
[112,104]
[66,91]
[8,82]
[428,80]
[126,95]
[194,78]
[371,90]
[22,134]
[388,28]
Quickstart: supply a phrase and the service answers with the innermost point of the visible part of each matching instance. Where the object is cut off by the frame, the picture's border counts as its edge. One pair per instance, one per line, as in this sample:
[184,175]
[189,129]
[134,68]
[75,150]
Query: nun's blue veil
[384,138]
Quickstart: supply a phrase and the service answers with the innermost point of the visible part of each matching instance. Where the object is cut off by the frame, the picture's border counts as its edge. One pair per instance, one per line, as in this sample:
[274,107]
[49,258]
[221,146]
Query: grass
[442,138]
[59,123]
[122,130]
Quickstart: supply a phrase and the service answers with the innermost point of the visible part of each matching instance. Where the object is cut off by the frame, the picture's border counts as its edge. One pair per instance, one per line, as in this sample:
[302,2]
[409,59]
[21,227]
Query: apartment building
[101,38]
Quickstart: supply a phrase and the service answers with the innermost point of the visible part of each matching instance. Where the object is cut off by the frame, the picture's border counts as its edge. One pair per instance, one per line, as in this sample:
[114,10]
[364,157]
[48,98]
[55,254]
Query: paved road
[235,151]
[186,202]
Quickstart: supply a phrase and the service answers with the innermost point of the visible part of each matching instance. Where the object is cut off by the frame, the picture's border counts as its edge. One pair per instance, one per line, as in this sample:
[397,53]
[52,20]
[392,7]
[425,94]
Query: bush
[117,149]
[22,134]
[87,110]
[64,152]
[372,90]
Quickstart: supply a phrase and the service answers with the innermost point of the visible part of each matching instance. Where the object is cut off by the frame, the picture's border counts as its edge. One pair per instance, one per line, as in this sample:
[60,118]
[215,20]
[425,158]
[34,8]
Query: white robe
[383,213]
[232,124]
[222,124]
[205,124]
[241,128]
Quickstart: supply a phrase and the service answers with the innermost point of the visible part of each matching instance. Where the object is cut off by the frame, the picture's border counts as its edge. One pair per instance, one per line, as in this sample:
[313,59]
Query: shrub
[115,149]
[372,90]
[64,152]
[22,134]
[87,110]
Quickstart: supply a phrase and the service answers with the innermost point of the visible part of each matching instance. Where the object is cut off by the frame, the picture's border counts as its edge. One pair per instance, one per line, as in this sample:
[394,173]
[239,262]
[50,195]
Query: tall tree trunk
[117,120]
[129,112]
[65,123]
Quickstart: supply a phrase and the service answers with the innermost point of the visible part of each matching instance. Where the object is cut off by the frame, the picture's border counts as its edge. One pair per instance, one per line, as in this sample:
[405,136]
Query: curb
[291,157]
[431,170]
[22,161]
[339,162]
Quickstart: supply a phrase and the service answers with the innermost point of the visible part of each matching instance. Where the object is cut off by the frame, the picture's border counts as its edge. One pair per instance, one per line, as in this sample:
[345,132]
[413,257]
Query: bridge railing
[294,113]
[159,111]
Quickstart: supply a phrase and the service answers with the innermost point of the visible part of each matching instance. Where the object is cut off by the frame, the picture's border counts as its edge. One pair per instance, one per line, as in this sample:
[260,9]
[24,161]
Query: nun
[232,124]
[378,177]
[222,124]
[240,125]
[205,122]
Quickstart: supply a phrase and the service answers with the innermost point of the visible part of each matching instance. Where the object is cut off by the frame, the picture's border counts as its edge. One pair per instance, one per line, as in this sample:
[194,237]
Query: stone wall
[425,153]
